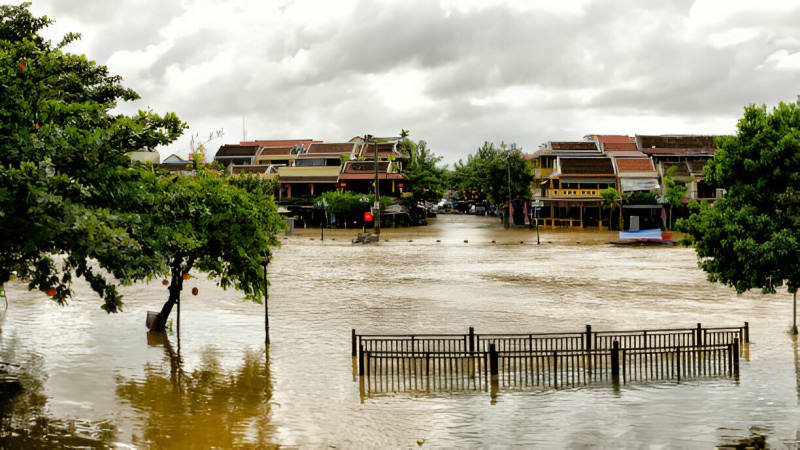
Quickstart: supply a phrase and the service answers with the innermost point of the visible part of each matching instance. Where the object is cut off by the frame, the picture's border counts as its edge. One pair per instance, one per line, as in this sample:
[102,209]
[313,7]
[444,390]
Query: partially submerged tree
[221,226]
[750,238]
[424,180]
[610,202]
[498,172]
[674,192]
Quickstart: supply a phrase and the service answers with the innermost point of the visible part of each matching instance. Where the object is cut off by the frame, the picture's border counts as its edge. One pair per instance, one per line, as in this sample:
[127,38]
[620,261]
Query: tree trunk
[175,288]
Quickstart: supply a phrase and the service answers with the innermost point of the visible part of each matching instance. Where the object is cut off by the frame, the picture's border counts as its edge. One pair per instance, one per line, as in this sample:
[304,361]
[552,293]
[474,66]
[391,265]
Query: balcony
[542,172]
[573,193]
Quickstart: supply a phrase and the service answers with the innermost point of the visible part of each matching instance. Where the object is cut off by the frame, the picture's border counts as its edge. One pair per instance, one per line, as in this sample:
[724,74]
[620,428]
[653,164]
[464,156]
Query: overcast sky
[454,72]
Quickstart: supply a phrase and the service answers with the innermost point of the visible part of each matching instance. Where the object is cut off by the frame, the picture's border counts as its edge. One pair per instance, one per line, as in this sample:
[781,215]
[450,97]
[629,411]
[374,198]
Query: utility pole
[508,212]
[266,298]
[377,206]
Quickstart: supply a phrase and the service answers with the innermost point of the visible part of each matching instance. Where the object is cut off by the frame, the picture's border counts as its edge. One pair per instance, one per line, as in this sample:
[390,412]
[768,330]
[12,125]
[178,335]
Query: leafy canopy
[66,185]
[488,171]
[751,237]
[421,175]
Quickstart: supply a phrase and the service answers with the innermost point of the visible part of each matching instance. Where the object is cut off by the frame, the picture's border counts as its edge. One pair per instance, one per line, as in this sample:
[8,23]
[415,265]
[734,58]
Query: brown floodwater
[93,379]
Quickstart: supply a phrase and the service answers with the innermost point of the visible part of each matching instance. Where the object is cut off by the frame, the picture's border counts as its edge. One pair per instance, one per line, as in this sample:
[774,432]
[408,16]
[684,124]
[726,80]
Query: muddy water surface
[98,379]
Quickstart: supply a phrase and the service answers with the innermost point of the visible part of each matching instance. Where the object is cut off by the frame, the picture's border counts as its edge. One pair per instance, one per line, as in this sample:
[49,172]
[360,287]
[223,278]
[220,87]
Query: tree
[421,175]
[65,181]
[610,202]
[674,192]
[222,226]
[750,238]
[488,171]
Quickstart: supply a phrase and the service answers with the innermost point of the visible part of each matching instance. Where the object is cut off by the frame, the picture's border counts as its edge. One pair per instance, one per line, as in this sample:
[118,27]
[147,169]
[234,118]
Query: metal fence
[447,362]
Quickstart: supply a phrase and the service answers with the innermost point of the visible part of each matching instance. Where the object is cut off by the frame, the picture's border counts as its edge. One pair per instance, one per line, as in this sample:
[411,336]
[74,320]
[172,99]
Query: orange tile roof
[635,165]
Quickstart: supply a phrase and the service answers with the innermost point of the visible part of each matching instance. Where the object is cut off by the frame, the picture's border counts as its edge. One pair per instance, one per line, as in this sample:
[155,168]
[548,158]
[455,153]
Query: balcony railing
[542,172]
[573,193]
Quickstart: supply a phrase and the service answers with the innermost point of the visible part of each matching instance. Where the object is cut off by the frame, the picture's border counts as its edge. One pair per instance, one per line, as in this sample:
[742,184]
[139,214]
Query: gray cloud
[615,60]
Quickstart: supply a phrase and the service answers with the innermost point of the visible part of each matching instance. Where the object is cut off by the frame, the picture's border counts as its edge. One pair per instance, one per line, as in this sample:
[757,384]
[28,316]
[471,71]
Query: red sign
[367,217]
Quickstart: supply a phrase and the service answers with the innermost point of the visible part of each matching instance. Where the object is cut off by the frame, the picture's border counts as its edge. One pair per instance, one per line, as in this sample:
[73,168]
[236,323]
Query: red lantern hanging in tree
[186,276]
[51,292]
[195,291]
[22,64]
[165,282]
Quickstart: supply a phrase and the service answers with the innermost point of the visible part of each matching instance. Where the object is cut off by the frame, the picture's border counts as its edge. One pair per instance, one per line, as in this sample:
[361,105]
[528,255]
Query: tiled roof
[635,165]
[585,166]
[236,150]
[674,141]
[276,151]
[280,142]
[384,149]
[625,154]
[365,167]
[678,151]
[331,148]
[619,146]
[610,138]
[578,145]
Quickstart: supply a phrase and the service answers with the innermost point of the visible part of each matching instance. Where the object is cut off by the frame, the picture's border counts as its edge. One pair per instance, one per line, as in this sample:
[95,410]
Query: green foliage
[65,181]
[610,201]
[640,196]
[348,202]
[421,175]
[488,171]
[73,204]
[674,191]
[750,238]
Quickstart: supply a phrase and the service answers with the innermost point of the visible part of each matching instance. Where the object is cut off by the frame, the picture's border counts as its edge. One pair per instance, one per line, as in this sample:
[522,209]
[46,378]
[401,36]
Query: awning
[638,184]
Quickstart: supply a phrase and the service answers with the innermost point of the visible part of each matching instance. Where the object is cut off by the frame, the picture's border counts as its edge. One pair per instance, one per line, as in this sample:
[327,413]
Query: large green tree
[751,237]
[65,181]
[222,226]
[497,172]
[422,177]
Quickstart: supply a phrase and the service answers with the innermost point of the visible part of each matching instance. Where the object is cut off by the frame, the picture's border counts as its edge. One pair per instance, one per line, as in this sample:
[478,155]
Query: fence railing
[583,340]
[465,371]
[437,362]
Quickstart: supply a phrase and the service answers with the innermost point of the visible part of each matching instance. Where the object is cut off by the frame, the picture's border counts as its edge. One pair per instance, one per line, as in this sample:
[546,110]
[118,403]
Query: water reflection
[24,419]
[204,407]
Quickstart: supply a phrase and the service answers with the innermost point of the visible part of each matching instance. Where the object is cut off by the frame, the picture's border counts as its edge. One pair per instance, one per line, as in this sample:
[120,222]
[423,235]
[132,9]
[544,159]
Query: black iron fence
[445,362]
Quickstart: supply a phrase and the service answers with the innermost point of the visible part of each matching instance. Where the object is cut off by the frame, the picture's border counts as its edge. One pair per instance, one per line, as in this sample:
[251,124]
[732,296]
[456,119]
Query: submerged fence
[447,362]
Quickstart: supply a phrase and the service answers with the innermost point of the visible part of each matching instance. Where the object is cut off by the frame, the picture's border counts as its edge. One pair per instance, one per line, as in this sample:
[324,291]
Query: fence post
[353,337]
[615,359]
[361,361]
[588,344]
[698,342]
[746,332]
[730,359]
[494,370]
[736,357]
[678,359]
[471,340]
[555,368]
[366,362]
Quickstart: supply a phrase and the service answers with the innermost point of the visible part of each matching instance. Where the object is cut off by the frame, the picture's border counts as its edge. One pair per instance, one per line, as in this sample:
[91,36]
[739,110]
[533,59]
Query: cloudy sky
[453,72]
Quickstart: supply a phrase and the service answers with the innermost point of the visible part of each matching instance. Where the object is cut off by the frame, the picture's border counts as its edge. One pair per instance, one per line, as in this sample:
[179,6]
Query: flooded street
[98,379]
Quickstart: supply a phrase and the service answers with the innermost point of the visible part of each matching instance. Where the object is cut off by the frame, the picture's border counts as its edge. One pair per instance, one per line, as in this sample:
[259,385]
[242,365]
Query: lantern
[186,276]
[51,292]
[343,184]
[195,291]
[367,217]
[22,64]
[400,185]
[165,282]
